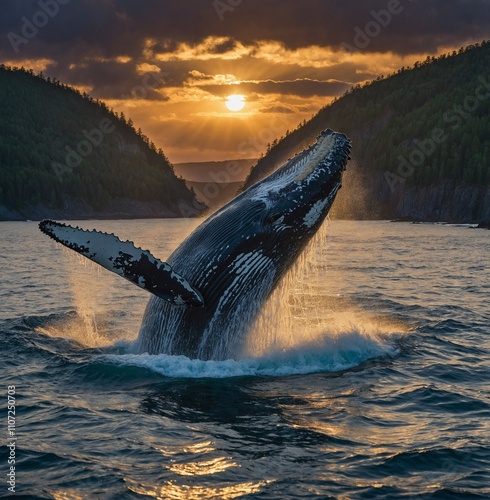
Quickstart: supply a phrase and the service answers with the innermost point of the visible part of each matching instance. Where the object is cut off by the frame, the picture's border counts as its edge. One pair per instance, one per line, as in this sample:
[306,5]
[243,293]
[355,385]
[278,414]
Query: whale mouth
[316,166]
[316,156]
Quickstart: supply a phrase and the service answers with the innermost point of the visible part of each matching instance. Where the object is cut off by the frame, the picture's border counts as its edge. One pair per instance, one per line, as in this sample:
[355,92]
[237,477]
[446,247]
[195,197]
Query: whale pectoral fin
[126,260]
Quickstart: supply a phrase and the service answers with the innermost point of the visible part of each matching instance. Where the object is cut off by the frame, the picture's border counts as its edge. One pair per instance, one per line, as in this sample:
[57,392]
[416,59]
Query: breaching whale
[212,287]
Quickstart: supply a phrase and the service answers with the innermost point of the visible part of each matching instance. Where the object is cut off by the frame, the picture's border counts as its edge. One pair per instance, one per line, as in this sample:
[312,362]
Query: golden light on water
[235,102]
[171,490]
[192,484]
[204,467]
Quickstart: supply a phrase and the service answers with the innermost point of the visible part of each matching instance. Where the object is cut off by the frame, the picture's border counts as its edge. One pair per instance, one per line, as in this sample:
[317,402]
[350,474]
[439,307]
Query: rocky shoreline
[78,210]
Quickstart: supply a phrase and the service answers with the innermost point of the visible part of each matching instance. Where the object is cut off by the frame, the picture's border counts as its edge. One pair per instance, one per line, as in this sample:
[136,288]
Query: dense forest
[65,153]
[421,141]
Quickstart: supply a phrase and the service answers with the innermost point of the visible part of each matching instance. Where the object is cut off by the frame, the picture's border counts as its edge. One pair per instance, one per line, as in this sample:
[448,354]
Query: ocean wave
[328,355]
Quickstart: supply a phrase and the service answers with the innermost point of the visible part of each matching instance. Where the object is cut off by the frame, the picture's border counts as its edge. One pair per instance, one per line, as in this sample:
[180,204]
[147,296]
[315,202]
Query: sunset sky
[170,65]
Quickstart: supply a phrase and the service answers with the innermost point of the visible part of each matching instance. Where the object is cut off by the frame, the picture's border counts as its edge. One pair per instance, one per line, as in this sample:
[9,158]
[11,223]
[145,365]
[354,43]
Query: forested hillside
[421,141]
[65,154]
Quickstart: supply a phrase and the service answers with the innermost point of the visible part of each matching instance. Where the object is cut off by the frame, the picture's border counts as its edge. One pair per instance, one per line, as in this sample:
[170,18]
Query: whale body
[212,287]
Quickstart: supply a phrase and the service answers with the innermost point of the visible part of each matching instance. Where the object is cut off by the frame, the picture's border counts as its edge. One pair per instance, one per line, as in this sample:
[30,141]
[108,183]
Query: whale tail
[125,259]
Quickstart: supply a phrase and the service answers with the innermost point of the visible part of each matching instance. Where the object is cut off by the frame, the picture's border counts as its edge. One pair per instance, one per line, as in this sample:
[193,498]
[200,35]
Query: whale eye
[274,219]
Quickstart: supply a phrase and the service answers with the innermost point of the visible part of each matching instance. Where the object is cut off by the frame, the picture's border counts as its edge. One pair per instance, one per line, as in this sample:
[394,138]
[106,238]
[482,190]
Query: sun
[235,102]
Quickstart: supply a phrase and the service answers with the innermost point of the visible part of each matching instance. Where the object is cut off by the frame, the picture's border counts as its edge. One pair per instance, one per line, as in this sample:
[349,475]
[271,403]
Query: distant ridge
[215,182]
[64,154]
[421,142]
[215,171]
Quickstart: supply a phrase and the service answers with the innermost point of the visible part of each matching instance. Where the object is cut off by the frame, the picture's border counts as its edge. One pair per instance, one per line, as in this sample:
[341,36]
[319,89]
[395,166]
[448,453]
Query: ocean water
[367,376]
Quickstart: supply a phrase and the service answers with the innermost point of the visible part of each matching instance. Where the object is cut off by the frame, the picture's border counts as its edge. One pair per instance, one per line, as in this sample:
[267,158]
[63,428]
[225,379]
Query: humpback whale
[212,287]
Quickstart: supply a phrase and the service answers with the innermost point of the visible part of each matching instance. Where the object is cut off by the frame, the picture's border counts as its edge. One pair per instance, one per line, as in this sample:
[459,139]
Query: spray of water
[90,325]
[301,315]
[107,309]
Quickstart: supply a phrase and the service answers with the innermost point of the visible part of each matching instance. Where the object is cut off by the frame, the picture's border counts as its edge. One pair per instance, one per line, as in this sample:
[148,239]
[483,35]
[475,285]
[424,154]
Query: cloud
[300,87]
[87,39]
[120,27]
[163,58]
[183,36]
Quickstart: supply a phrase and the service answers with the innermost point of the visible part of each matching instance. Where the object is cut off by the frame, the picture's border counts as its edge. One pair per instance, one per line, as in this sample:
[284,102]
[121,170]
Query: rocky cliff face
[445,202]
[365,197]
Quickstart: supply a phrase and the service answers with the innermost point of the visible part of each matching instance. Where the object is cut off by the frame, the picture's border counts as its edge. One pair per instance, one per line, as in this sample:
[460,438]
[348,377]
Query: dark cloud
[90,30]
[119,27]
[112,46]
[300,87]
[115,80]
[224,47]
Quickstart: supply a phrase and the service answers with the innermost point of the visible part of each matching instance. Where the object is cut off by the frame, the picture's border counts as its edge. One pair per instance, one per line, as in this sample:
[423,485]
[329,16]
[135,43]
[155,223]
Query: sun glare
[235,102]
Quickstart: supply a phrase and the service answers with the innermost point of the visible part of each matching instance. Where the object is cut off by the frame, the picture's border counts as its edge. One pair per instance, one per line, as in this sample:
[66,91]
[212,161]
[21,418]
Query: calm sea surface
[367,376]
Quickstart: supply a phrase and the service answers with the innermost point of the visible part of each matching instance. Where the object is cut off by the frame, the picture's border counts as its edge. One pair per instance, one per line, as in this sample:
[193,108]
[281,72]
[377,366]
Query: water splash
[91,325]
[300,314]
[331,354]
[85,301]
